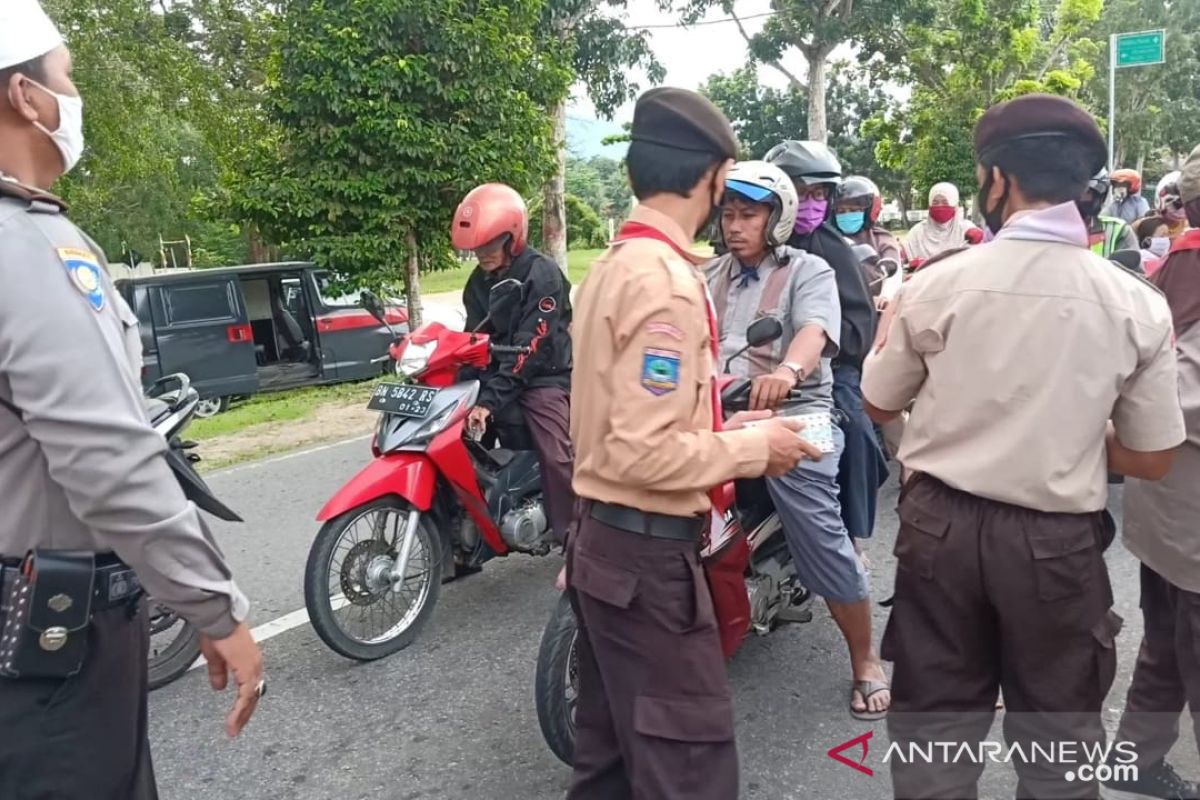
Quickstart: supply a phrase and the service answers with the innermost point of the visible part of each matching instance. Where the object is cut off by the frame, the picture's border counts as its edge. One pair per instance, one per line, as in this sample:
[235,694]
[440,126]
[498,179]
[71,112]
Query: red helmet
[1130,177]
[487,213]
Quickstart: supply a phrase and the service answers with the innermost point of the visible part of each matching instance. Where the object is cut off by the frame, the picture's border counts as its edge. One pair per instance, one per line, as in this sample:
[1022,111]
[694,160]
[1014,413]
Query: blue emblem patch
[660,371]
[84,271]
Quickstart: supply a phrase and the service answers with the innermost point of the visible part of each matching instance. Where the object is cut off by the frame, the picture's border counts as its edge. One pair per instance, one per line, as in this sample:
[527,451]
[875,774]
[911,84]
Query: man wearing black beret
[654,716]
[1036,368]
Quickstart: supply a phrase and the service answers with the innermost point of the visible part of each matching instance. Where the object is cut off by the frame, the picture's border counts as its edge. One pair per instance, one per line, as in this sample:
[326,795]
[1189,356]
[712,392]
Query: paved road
[453,716]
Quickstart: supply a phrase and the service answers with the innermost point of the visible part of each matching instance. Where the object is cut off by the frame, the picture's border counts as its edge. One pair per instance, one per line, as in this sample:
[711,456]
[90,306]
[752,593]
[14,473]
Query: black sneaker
[1160,780]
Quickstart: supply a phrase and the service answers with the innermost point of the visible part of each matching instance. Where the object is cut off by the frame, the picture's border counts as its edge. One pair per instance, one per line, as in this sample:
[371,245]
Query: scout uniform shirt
[81,468]
[1017,353]
[641,390]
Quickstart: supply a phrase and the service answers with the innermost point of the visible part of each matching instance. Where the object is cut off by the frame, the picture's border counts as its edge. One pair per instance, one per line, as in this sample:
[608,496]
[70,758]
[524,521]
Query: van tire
[211,407]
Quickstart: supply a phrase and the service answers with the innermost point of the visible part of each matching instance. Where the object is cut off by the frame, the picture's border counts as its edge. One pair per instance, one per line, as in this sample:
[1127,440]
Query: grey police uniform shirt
[84,469]
[801,292]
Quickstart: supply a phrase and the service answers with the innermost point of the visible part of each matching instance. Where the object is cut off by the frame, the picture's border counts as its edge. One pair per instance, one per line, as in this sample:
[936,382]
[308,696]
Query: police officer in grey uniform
[90,506]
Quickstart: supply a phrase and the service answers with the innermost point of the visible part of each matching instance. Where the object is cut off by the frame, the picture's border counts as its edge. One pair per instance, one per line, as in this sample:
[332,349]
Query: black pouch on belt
[47,610]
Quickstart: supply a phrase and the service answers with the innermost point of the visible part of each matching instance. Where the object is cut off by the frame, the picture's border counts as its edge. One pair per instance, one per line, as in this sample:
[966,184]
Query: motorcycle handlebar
[504,348]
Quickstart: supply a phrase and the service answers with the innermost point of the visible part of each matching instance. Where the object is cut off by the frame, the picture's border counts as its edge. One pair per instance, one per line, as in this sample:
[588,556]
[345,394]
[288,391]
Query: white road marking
[276,459]
[275,627]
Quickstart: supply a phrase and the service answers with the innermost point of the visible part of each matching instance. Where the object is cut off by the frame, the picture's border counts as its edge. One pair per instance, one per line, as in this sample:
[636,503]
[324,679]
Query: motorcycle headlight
[415,358]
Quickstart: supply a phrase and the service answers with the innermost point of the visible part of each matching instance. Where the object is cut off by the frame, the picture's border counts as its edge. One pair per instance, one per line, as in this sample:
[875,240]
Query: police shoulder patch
[660,370]
[84,270]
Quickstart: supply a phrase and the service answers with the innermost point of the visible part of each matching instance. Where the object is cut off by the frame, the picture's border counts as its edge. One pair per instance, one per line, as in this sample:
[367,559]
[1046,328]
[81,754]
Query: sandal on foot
[868,689]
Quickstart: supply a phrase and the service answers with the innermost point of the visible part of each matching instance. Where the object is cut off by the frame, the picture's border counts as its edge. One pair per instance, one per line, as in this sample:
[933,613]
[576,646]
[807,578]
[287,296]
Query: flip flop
[868,689]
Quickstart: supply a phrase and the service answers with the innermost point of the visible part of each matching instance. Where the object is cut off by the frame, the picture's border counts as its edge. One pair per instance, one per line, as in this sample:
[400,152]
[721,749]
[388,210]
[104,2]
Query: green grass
[276,407]
[453,280]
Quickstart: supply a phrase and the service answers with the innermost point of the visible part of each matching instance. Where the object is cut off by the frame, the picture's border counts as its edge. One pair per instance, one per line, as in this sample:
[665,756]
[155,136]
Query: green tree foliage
[603,55]
[974,54]
[1158,107]
[586,229]
[600,183]
[389,112]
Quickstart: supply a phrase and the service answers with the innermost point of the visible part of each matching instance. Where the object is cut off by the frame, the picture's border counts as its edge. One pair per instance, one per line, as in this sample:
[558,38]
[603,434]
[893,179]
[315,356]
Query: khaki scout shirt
[1017,354]
[641,396]
[83,469]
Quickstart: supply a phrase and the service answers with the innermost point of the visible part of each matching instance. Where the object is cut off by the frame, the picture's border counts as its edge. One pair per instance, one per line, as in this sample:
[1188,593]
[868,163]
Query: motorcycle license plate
[402,399]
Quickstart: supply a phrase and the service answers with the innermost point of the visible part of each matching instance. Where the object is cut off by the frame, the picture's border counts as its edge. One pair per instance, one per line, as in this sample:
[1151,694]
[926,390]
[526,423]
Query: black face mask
[713,222]
[1091,206]
[993,217]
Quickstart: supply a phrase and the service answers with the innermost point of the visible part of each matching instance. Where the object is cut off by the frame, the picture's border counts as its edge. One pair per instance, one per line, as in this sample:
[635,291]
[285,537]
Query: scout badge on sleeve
[84,270]
[660,371]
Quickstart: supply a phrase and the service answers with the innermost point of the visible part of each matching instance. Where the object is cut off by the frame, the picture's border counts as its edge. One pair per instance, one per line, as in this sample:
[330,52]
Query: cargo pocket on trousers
[684,718]
[1063,559]
[607,582]
[922,530]
[1105,633]
[678,598]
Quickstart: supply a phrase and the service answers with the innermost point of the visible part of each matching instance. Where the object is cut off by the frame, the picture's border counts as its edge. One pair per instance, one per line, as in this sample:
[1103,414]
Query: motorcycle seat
[502,456]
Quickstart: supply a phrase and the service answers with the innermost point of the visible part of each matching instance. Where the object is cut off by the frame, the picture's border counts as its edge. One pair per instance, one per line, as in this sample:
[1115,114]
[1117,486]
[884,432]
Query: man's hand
[237,654]
[742,418]
[477,420]
[768,391]
[787,449]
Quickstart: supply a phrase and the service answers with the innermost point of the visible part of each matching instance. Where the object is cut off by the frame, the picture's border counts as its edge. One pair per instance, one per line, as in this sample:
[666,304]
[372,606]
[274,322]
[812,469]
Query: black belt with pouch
[48,601]
[646,523]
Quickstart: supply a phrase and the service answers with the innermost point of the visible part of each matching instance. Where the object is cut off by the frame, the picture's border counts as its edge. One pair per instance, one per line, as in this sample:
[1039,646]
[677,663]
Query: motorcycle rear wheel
[174,645]
[557,683]
[333,587]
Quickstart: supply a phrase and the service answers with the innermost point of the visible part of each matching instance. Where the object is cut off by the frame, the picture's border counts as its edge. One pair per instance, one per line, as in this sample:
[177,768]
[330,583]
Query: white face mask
[1159,245]
[69,136]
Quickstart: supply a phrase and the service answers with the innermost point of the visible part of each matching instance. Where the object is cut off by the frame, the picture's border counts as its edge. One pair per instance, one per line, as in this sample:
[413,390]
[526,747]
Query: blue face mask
[851,222]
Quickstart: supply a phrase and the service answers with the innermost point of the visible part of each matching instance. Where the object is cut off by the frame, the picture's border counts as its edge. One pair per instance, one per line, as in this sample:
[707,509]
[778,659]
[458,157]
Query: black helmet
[861,189]
[811,162]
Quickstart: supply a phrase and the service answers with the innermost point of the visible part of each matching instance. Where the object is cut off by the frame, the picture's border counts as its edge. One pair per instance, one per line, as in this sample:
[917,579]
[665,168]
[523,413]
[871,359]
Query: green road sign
[1141,49]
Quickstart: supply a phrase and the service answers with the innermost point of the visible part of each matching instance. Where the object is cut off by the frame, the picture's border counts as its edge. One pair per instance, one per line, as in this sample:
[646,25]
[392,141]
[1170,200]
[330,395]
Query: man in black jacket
[492,222]
[816,173]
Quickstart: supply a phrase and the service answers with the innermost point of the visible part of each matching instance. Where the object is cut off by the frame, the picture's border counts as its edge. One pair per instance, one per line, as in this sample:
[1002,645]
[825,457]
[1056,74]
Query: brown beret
[1189,177]
[683,120]
[1035,116]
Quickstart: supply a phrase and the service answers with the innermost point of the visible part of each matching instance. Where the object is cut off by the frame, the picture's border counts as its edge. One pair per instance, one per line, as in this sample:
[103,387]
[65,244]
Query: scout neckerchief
[719,495]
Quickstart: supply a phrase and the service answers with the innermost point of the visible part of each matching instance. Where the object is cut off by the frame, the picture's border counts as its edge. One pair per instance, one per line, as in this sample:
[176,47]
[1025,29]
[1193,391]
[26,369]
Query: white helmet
[766,183]
[1167,192]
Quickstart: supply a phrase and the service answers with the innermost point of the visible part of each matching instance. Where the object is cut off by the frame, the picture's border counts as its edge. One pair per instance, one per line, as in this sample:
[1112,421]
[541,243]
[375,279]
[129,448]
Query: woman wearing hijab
[945,229]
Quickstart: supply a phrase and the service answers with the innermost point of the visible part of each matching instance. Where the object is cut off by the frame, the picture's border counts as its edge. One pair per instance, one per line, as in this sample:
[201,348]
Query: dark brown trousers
[85,736]
[1167,674]
[991,596]
[548,415]
[654,719]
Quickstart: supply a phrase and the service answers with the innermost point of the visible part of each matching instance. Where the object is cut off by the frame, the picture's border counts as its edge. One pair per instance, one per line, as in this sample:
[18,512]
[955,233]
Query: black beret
[1036,116]
[683,120]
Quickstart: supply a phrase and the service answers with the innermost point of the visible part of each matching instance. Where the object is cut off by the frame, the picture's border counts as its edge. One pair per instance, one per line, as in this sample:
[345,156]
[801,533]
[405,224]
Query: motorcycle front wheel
[352,603]
[557,683]
[174,644]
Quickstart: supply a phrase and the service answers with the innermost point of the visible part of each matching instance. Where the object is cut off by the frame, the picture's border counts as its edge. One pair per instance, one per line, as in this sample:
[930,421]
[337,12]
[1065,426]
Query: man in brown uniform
[654,717]
[1018,354]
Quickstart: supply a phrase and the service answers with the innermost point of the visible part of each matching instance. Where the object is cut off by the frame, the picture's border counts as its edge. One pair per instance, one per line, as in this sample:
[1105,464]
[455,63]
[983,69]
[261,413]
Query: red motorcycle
[747,562]
[434,504]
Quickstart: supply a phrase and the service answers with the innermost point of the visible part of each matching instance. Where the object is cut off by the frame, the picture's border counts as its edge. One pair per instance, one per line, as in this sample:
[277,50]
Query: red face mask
[942,214]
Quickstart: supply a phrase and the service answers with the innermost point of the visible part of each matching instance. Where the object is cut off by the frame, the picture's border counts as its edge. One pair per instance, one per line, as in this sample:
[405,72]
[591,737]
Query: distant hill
[585,137]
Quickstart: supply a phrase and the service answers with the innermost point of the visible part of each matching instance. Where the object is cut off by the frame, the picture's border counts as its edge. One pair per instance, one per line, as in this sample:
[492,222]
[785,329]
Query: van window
[330,298]
[199,303]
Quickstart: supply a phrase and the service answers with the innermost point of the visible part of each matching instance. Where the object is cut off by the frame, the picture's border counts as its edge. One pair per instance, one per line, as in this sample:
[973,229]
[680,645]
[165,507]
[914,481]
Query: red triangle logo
[860,765]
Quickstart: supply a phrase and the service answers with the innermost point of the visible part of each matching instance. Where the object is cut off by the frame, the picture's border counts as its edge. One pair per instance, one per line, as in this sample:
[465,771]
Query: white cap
[25,32]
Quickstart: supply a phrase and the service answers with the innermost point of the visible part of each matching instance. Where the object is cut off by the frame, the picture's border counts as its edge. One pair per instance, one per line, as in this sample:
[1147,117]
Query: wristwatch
[796,369]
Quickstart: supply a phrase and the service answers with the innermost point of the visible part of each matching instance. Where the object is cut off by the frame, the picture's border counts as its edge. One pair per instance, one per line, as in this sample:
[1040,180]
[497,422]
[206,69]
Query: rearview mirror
[865,254]
[374,306]
[1130,260]
[504,300]
[890,266]
[764,331]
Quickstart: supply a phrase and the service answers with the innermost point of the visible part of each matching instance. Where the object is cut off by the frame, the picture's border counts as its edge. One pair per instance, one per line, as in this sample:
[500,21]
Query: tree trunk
[412,284]
[554,208]
[1141,165]
[817,67]
[902,202]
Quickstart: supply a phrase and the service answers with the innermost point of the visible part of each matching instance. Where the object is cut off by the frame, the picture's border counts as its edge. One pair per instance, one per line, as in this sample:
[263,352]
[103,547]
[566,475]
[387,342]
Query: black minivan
[236,331]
